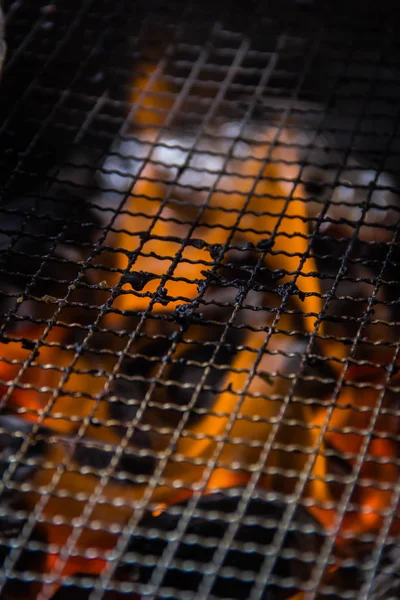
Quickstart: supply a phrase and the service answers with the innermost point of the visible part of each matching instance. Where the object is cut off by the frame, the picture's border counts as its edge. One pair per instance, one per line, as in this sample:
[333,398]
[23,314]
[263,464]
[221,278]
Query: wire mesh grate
[199,301]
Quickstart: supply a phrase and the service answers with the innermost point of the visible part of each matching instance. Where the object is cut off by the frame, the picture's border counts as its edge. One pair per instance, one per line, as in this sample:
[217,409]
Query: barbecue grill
[199,300]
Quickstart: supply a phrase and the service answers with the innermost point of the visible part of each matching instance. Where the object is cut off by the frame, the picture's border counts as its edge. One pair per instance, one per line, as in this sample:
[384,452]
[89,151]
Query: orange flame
[224,447]
[38,378]
[252,200]
[350,424]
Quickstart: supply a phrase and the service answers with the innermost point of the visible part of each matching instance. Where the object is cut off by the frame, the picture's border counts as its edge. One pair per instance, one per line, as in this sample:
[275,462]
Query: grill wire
[130,315]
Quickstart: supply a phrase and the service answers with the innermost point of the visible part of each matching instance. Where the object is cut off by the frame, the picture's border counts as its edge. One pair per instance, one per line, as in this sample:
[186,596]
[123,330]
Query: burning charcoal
[257,409]
[44,375]
[205,531]
[375,479]
[220,227]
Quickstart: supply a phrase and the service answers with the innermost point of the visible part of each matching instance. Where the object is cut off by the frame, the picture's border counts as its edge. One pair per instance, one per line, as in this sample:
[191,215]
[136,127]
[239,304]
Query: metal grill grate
[199,301]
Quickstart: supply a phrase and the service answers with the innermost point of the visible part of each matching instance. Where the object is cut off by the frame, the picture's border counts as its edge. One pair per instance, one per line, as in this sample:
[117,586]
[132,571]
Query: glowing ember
[255,424]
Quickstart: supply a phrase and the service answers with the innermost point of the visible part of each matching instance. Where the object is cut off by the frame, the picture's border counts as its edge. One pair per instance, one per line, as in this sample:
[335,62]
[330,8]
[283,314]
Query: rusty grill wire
[101,380]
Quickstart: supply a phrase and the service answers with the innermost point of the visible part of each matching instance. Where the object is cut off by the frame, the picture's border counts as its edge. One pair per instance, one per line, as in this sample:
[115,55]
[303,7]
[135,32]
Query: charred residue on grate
[199,291]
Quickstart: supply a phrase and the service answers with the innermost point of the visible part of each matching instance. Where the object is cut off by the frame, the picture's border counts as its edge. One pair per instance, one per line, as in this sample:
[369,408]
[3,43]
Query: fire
[38,378]
[351,427]
[250,206]
[254,424]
